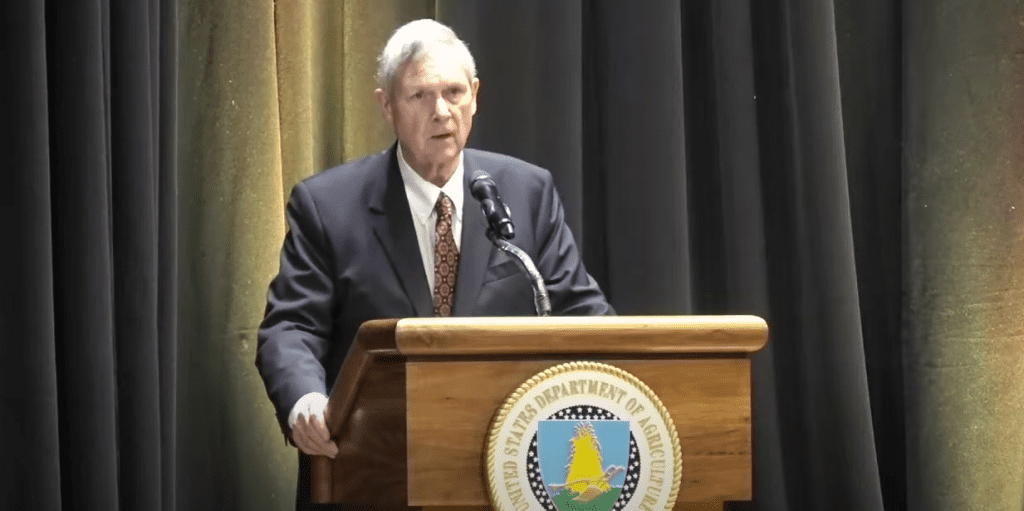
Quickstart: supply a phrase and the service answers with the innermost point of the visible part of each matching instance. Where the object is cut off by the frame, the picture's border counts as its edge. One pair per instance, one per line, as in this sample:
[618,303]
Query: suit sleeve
[572,290]
[295,333]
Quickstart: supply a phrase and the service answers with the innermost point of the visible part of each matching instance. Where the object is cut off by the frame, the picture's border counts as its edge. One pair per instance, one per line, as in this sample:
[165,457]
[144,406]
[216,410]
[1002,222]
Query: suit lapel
[475,250]
[392,224]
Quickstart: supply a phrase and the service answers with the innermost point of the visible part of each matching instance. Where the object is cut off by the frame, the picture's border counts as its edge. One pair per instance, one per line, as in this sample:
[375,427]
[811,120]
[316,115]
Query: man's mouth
[443,136]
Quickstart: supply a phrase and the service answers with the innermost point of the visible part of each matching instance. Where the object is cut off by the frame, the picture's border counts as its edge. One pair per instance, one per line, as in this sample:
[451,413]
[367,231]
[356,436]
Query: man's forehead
[440,68]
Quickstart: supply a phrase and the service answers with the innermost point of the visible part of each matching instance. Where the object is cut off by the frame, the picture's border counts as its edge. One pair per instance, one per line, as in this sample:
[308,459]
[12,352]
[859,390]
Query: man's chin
[445,153]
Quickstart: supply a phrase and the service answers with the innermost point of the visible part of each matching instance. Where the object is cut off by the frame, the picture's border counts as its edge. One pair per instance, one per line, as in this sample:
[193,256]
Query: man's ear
[384,100]
[476,91]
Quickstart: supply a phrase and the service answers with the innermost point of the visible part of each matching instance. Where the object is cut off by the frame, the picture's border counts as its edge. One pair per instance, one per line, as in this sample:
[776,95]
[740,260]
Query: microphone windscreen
[479,183]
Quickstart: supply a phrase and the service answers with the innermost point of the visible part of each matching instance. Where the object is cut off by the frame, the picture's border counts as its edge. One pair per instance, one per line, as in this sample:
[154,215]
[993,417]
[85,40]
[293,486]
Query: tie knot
[444,205]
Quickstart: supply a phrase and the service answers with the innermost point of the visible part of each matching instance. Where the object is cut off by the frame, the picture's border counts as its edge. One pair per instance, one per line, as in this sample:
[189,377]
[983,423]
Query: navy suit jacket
[351,255]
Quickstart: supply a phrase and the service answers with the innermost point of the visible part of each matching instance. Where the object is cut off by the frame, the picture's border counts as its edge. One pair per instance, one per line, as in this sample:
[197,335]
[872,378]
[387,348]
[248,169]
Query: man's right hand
[309,430]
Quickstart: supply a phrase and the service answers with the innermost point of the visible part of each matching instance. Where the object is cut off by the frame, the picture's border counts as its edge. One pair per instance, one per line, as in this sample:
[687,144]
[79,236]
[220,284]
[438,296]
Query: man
[397,235]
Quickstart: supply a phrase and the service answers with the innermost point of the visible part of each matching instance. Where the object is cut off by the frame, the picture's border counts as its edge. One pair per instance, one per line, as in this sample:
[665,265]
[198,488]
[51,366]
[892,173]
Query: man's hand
[309,431]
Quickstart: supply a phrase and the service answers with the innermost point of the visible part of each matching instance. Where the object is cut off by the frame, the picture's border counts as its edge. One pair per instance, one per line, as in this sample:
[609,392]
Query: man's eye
[418,95]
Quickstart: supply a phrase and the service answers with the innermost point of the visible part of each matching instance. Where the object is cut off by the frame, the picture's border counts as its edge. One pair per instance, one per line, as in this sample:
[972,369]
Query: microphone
[483,189]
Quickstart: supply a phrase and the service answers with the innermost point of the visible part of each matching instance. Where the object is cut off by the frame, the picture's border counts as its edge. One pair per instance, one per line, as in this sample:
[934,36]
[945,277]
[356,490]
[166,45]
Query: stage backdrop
[849,170]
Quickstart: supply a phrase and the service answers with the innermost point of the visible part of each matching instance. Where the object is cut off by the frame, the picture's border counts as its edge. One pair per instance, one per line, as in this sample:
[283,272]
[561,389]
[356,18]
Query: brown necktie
[446,258]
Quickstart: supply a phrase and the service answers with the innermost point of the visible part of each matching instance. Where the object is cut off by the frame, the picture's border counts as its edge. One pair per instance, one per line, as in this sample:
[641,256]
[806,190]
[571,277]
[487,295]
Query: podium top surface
[593,334]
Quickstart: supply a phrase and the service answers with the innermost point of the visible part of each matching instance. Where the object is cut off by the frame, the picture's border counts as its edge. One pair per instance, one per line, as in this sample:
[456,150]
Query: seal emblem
[583,436]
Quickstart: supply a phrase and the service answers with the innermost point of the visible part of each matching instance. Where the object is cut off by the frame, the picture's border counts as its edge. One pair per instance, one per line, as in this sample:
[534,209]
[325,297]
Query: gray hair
[414,41]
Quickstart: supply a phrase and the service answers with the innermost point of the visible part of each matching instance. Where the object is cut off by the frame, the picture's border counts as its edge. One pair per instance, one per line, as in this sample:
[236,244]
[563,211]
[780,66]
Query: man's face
[431,107]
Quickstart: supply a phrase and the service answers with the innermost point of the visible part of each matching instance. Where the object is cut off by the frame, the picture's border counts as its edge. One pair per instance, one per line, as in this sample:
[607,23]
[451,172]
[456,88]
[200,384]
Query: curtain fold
[28,371]
[83,252]
[87,302]
[827,443]
[727,214]
[640,143]
[870,42]
[134,174]
[168,255]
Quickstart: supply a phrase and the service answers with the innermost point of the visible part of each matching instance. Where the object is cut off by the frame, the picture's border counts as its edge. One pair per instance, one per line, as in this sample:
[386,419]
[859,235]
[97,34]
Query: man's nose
[441,108]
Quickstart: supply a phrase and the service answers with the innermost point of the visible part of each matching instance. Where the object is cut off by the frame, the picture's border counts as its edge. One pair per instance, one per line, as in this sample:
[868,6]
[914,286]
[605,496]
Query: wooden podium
[414,400]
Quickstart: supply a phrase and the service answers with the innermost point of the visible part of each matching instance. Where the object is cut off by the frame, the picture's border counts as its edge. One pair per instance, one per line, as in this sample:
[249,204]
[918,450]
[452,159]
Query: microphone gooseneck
[541,300]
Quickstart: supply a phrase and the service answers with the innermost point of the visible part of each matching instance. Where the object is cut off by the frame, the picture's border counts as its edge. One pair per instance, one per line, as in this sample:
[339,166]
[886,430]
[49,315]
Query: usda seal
[583,436]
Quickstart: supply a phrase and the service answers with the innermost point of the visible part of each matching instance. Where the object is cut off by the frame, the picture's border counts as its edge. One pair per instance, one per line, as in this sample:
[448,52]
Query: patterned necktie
[446,258]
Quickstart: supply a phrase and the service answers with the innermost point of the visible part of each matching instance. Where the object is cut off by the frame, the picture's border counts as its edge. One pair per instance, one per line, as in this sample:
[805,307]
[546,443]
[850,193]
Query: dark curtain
[870,43]
[88,287]
[702,151]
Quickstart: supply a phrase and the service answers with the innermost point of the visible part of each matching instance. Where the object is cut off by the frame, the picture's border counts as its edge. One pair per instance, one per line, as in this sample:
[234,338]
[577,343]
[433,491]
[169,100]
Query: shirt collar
[423,194]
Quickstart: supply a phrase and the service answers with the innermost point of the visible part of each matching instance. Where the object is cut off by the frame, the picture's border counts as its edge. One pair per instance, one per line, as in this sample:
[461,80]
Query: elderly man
[396,234]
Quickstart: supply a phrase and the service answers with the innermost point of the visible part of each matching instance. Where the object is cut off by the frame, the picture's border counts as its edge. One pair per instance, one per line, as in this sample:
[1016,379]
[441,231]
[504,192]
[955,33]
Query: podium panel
[414,400]
[447,406]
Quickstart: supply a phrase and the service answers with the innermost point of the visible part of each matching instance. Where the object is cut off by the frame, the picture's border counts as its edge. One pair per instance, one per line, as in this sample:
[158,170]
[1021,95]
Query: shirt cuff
[311,404]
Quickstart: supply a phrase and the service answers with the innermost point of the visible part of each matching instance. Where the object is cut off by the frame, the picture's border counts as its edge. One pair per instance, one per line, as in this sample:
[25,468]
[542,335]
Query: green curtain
[964,238]
[271,92]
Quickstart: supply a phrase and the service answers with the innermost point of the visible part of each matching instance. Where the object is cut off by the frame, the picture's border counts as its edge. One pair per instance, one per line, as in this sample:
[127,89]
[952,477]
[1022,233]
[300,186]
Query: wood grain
[375,339]
[366,417]
[451,405]
[370,469]
[566,335]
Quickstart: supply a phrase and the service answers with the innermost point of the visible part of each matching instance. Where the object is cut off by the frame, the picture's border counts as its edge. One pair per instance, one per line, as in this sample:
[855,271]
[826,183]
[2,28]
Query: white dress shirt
[422,196]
